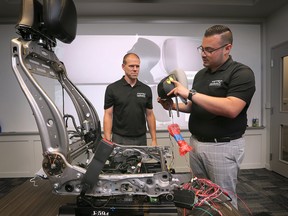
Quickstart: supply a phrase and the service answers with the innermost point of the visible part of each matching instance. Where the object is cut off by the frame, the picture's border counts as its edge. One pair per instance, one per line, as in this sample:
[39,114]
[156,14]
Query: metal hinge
[272,63]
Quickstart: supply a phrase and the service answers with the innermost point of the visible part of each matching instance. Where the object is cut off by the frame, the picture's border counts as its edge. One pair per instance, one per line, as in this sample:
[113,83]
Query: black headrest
[60,18]
[54,19]
[165,85]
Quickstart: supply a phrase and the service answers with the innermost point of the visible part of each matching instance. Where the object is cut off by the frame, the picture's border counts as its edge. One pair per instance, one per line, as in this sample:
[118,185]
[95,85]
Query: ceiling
[161,9]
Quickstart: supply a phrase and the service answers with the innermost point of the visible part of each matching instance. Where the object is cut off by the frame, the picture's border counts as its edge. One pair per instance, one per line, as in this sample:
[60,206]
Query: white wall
[15,113]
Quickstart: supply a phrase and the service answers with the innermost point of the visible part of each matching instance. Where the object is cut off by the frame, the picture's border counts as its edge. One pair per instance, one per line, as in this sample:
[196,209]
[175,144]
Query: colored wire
[206,193]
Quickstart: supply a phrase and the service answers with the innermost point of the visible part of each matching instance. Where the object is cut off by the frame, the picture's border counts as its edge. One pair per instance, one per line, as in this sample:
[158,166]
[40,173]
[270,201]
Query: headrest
[54,19]
[60,19]
[165,85]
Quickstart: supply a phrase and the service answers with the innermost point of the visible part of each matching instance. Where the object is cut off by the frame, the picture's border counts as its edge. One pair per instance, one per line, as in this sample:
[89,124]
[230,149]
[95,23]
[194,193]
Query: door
[279,111]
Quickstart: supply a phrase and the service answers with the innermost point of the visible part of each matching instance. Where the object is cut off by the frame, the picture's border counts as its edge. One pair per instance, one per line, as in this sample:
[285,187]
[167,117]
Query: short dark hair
[127,55]
[224,31]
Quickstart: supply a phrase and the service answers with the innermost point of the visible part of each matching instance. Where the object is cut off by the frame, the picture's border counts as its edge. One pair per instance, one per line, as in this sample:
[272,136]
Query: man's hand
[154,143]
[166,103]
[179,90]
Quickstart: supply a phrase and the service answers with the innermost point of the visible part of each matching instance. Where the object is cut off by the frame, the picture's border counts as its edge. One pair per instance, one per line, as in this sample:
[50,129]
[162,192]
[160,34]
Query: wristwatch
[191,93]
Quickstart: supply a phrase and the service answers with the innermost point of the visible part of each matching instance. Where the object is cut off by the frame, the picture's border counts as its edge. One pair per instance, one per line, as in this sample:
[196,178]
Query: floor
[29,199]
[260,191]
[263,192]
[8,184]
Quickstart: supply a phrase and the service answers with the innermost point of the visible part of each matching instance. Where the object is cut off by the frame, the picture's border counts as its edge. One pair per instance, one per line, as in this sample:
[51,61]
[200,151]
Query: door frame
[278,118]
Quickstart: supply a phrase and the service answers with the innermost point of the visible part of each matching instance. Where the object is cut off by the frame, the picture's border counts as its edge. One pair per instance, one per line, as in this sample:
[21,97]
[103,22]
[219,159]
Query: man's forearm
[152,128]
[107,127]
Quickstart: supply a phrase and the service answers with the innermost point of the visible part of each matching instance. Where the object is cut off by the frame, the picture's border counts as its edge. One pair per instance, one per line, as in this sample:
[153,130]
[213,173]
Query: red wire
[204,190]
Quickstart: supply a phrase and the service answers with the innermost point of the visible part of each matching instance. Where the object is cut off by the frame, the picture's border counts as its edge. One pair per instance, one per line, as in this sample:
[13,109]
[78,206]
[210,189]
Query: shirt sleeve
[109,99]
[149,99]
[242,84]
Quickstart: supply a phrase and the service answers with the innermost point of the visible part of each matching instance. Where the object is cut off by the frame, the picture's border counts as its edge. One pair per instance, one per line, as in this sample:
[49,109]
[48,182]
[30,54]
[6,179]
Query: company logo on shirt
[216,83]
[143,95]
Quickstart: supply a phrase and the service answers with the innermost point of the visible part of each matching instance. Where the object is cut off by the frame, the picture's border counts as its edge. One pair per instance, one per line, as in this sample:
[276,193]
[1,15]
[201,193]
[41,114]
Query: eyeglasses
[209,50]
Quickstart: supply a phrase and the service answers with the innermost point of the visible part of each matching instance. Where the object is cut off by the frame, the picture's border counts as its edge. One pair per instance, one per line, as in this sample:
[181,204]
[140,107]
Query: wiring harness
[201,195]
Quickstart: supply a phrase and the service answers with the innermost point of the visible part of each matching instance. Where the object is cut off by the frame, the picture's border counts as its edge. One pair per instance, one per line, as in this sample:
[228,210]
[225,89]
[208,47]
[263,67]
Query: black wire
[67,116]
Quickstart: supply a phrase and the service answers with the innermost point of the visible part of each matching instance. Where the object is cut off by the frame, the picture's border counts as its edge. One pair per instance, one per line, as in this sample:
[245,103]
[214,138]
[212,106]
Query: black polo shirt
[231,79]
[129,107]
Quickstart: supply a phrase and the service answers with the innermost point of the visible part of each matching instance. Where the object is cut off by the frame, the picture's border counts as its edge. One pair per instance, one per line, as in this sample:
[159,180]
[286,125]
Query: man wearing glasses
[217,103]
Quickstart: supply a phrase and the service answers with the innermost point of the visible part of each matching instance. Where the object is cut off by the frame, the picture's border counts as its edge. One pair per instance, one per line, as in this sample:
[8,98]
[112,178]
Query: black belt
[215,140]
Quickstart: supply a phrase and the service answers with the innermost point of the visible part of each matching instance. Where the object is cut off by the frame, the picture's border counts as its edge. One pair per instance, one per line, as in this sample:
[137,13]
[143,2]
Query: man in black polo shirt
[218,103]
[128,105]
